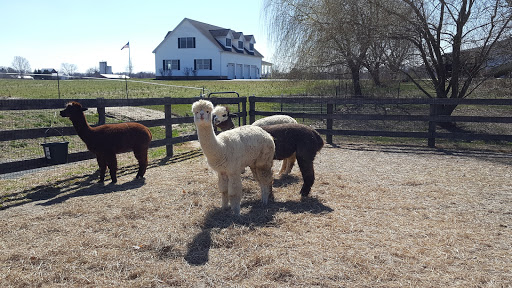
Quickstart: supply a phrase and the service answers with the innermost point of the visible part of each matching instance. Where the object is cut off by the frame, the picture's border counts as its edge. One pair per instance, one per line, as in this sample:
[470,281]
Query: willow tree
[323,34]
[454,40]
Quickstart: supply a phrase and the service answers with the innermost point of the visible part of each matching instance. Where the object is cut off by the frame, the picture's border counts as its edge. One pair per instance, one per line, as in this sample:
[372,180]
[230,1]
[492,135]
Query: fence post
[252,109]
[101,111]
[244,110]
[432,126]
[168,126]
[330,110]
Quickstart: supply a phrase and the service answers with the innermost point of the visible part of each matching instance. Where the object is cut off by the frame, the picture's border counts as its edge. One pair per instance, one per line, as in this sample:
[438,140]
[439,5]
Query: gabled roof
[212,31]
[220,32]
[48,70]
[237,35]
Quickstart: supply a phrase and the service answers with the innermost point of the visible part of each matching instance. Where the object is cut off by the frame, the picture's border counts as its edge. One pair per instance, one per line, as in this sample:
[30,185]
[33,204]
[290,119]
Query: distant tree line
[20,66]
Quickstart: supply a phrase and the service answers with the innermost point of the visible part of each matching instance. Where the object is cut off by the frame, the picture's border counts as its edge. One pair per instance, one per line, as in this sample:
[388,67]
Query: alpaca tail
[319,141]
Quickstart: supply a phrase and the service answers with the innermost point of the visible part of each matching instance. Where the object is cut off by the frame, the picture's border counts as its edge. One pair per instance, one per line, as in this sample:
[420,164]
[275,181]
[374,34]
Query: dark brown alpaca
[292,138]
[110,139]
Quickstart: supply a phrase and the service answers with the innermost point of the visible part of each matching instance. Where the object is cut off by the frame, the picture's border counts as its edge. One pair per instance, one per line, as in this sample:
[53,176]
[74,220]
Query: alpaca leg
[258,177]
[235,192]
[142,157]
[102,164]
[265,180]
[223,188]
[112,167]
[290,161]
[284,165]
[308,175]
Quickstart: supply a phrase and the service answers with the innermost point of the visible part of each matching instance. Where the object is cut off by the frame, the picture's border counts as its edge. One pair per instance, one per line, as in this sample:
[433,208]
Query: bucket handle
[46,132]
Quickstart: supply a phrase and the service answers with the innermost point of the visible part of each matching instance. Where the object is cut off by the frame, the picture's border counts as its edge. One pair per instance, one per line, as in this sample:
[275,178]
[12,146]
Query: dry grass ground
[380,216]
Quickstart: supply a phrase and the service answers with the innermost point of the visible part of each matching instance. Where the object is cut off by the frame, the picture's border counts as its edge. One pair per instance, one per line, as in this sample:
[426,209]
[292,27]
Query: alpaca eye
[223,115]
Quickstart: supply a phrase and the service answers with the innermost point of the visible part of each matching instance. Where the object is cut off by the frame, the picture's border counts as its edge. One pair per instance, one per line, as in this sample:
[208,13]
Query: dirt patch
[126,114]
[380,216]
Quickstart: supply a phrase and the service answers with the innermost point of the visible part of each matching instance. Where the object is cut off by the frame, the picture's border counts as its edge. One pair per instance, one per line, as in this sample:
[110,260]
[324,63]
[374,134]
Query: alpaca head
[202,110]
[72,108]
[222,118]
[220,114]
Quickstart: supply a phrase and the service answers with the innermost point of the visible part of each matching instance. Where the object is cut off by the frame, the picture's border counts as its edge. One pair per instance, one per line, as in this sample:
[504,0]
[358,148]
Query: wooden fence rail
[100,104]
[329,116]
[431,134]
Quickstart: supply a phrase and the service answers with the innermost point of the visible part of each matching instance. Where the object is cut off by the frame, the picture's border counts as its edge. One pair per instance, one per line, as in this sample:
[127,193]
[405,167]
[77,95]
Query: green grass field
[142,88]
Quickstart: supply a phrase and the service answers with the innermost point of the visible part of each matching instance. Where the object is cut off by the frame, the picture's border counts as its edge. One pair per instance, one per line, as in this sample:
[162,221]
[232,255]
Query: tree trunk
[445,110]
[354,71]
[375,74]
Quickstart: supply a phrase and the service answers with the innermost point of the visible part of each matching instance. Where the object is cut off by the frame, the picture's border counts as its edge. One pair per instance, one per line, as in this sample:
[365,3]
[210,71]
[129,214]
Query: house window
[171,64]
[202,64]
[187,42]
[228,42]
[240,45]
[251,46]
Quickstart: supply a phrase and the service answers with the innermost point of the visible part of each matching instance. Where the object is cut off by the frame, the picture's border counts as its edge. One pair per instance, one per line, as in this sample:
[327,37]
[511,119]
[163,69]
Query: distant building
[114,76]
[46,74]
[196,50]
[497,63]
[104,69]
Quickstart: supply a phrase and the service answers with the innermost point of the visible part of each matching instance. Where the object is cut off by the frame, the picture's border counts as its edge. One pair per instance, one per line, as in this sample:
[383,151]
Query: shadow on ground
[485,155]
[258,216]
[85,185]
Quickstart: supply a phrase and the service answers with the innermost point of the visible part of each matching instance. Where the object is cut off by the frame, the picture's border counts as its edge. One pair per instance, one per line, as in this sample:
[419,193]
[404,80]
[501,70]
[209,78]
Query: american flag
[126,46]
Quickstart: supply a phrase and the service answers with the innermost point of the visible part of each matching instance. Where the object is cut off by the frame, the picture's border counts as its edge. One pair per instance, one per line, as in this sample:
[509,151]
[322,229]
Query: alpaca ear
[84,109]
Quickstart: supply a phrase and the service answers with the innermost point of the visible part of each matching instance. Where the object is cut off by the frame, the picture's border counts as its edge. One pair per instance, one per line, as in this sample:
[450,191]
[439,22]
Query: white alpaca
[274,119]
[231,151]
[222,119]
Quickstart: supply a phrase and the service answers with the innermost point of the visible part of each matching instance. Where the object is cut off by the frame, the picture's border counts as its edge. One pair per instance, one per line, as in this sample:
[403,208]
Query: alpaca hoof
[271,197]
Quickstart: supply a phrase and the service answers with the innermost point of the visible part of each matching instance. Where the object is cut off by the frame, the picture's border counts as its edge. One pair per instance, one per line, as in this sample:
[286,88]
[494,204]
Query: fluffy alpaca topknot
[202,105]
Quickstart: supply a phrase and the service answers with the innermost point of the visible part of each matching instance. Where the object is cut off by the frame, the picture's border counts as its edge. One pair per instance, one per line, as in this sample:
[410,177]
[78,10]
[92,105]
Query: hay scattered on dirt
[380,216]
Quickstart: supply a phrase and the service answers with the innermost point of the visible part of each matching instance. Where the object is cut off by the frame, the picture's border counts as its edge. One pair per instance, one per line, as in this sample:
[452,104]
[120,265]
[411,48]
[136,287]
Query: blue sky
[48,33]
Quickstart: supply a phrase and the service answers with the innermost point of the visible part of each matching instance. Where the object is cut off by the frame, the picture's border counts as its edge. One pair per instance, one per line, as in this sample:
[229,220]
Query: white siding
[205,49]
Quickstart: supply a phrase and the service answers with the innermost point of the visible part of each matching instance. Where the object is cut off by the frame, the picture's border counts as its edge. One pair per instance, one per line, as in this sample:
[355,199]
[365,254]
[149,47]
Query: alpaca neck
[209,143]
[82,128]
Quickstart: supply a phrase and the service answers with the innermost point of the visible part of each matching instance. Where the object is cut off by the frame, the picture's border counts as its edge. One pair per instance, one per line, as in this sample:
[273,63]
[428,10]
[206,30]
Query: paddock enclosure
[379,216]
[487,120]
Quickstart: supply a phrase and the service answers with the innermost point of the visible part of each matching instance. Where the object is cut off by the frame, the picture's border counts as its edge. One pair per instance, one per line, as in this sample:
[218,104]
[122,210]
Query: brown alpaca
[302,140]
[110,139]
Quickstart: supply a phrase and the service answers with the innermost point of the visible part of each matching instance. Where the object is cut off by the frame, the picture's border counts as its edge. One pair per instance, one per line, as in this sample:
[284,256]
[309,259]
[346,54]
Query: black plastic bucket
[55,152]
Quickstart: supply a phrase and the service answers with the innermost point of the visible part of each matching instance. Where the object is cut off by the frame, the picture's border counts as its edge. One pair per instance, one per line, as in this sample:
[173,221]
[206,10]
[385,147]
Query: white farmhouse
[196,50]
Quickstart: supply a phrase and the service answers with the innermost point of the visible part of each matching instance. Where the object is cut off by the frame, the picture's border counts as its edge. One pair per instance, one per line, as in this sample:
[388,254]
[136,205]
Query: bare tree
[93,72]
[454,40]
[20,64]
[68,69]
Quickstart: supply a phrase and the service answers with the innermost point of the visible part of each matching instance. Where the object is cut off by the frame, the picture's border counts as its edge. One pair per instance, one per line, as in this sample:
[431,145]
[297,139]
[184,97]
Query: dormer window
[228,42]
[240,45]
[251,47]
